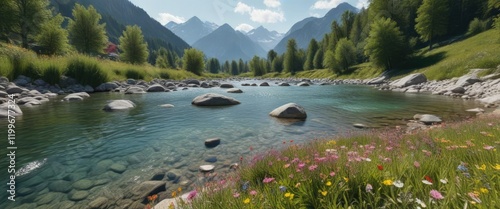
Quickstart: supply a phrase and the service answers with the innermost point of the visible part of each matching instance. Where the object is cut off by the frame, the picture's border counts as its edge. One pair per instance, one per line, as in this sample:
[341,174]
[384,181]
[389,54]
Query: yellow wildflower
[174,194]
[484,190]
[324,193]
[496,167]
[482,167]
[346,179]
[288,194]
[297,185]
[246,201]
[332,142]
[328,183]
[179,189]
[387,182]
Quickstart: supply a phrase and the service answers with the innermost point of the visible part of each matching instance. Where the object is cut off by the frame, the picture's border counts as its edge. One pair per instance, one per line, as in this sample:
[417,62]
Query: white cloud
[244,27]
[362,3]
[326,4]
[165,18]
[260,15]
[272,3]
[266,16]
[242,8]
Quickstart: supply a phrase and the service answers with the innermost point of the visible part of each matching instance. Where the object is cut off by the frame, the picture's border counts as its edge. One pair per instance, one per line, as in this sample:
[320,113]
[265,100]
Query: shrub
[18,63]
[31,71]
[476,26]
[164,75]
[86,71]
[134,74]
[52,75]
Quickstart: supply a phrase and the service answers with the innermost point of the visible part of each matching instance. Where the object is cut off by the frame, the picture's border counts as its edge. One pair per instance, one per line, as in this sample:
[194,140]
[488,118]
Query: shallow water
[78,141]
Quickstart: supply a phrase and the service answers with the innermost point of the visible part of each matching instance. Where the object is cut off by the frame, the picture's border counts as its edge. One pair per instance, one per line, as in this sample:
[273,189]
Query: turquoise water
[78,141]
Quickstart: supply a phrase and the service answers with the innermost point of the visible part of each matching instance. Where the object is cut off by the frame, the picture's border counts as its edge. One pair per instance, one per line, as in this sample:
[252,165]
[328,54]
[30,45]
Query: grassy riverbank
[454,166]
[449,61]
[15,61]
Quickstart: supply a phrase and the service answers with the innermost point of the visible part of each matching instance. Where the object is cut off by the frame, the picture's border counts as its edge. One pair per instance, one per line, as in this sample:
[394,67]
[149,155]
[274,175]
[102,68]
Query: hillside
[119,13]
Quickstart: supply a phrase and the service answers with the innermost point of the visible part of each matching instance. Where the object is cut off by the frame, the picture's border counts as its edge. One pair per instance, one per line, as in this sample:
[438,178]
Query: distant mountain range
[119,13]
[265,38]
[312,27]
[192,30]
[226,44]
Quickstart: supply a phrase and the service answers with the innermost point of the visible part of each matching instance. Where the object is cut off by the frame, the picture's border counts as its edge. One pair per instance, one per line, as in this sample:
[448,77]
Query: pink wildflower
[313,167]
[436,195]
[488,147]
[416,164]
[192,195]
[253,192]
[268,180]
[332,174]
[236,195]
[301,165]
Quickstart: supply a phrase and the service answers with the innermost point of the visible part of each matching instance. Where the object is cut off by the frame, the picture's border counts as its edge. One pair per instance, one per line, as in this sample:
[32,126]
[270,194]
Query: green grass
[378,169]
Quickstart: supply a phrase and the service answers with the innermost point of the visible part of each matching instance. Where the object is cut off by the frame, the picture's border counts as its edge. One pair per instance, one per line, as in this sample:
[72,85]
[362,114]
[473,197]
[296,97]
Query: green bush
[52,75]
[164,75]
[134,74]
[19,64]
[86,71]
[477,26]
[31,71]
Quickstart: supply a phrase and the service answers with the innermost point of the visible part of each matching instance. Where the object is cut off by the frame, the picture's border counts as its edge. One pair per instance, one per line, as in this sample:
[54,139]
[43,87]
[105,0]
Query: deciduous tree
[385,44]
[52,37]
[193,61]
[85,32]
[134,48]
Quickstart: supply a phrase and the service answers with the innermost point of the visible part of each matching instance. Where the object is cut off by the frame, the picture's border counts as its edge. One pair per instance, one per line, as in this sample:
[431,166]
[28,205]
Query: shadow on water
[418,62]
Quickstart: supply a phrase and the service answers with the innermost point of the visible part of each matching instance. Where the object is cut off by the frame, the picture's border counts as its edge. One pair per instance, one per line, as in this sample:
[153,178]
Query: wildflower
[484,190]
[179,189]
[282,188]
[368,159]
[192,195]
[324,193]
[152,198]
[369,188]
[387,182]
[436,195]
[290,176]
[444,181]
[313,167]
[416,164]
[171,206]
[420,202]
[301,165]
[246,201]
[474,196]
[297,185]
[332,174]
[245,185]
[426,182]
[398,184]
[428,178]
[482,167]
[236,195]
[289,195]
[253,192]
[462,167]
[328,183]
[380,167]
[496,167]
[286,165]
[346,179]
[487,147]
[268,180]
[174,194]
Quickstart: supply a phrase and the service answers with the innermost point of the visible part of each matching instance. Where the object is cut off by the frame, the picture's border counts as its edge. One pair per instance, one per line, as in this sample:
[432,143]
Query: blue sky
[244,15]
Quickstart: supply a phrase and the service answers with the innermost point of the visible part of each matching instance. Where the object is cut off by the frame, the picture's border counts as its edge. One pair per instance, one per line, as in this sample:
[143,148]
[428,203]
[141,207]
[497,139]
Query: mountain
[313,27]
[119,13]
[265,38]
[227,44]
[192,30]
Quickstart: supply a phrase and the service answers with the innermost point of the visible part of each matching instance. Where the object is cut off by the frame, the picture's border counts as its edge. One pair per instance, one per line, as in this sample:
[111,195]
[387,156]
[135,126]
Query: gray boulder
[427,118]
[14,110]
[167,105]
[156,88]
[491,100]
[458,90]
[13,89]
[109,86]
[234,90]
[213,142]
[119,105]
[409,80]
[60,186]
[29,101]
[226,86]
[284,84]
[141,191]
[467,80]
[212,99]
[290,110]
[303,84]
[192,81]
[135,90]
[264,84]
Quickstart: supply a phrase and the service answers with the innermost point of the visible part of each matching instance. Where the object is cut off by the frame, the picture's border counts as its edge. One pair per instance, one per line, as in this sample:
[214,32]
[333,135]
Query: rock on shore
[212,99]
[119,105]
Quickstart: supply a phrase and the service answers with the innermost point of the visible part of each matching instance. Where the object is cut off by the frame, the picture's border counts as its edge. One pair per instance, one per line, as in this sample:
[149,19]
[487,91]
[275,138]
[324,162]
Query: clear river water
[108,153]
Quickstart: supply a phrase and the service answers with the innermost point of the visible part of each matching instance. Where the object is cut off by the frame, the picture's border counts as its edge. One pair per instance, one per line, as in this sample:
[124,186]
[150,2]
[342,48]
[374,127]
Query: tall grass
[455,166]
[52,75]
[134,74]
[86,71]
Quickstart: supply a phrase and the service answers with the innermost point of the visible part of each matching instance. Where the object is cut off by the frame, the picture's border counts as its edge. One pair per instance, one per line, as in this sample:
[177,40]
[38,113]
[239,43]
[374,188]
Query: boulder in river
[264,84]
[212,99]
[13,108]
[156,88]
[135,90]
[234,90]
[303,84]
[226,86]
[409,80]
[119,105]
[213,142]
[290,110]
[427,118]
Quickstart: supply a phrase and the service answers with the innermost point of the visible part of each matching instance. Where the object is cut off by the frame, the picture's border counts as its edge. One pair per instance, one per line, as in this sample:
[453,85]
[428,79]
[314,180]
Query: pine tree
[311,52]
[135,49]
[291,60]
[85,32]
[318,59]
[234,68]
[432,19]
[52,37]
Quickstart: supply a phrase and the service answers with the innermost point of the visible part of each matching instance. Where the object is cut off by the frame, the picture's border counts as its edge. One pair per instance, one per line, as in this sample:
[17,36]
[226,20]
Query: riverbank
[383,168]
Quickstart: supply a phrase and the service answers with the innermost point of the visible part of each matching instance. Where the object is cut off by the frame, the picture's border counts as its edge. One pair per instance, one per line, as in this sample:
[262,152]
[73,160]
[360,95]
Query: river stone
[207,168]
[245,84]
[73,97]
[226,86]
[467,80]
[13,89]
[65,204]
[212,99]
[30,100]
[192,81]
[46,198]
[25,191]
[495,99]
[211,159]
[290,110]
[79,195]
[264,84]
[26,206]
[119,105]
[141,191]
[234,90]
[360,125]
[60,186]
[135,90]
[3,94]
[303,84]
[171,176]
[106,87]
[118,168]
[284,84]
[158,176]
[167,105]
[409,80]
[427,118]
[213,142]
[458,90]
[253,84]
[83,184]
[475,110]
[156,88]
[100,202]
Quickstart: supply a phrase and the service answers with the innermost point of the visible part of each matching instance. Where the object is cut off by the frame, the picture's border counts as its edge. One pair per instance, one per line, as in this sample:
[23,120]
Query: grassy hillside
[454,60]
